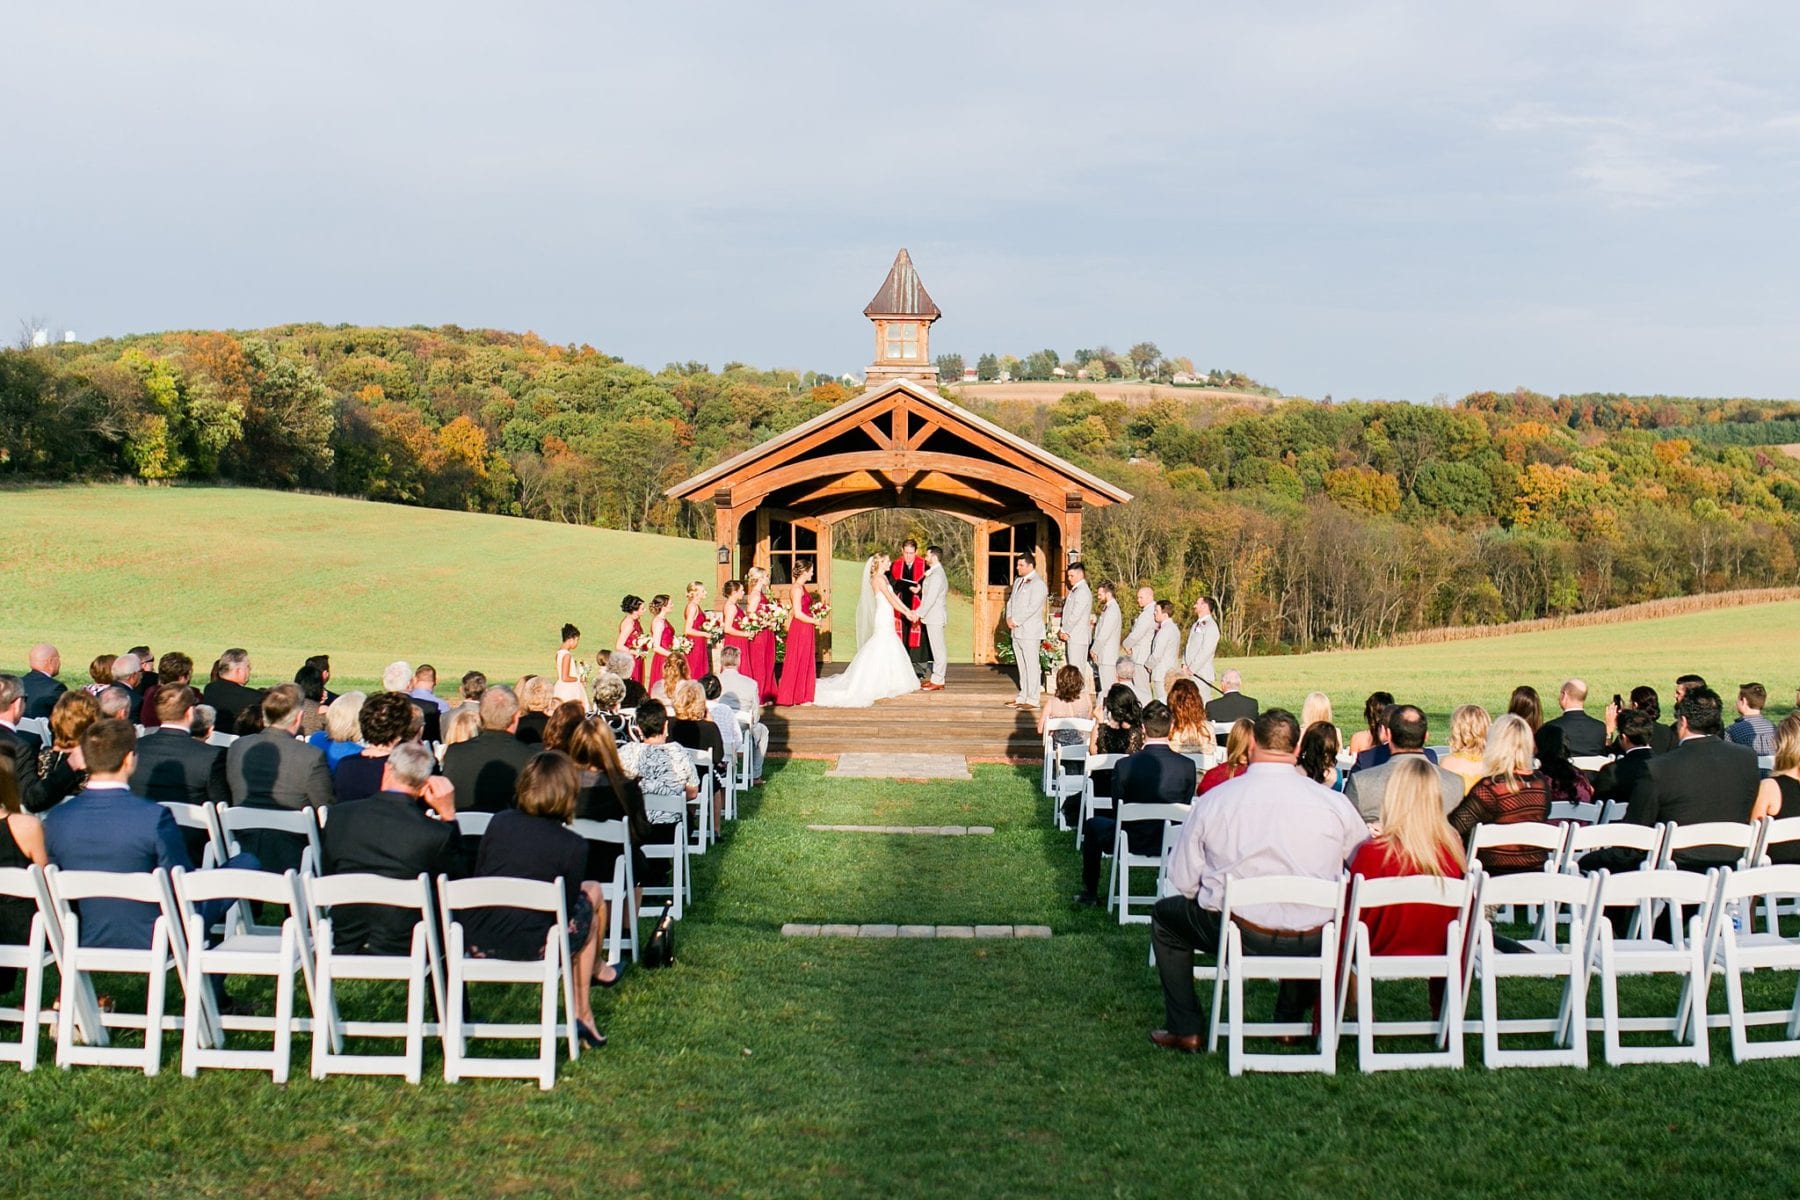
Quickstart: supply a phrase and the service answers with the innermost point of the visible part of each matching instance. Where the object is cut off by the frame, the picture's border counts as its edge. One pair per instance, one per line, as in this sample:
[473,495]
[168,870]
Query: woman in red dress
[693,628]
[662,636]
[630,629]
[799,668]
[731,620]
[762,642]
[1238,745]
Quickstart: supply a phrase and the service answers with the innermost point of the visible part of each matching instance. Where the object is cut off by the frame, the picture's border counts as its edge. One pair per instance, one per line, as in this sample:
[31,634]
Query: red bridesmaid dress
[660,655]
[762,656]
[699,655]
[736,641]
[799,667]
[637,664]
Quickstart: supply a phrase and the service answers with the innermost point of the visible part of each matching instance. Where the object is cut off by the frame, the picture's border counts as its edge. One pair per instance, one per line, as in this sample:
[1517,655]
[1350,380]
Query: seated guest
[1645,700]
[674,674]
[1406,730]
[249,721]
[1125,673]
[1582,735]
[1233,705]
[624,666]
[1119,727]
[115,703]
[1383,749]
[41,685]
[175,669]
[21,845]
[655,764]
[536,699]
[147,675]
[1752,729]
[1510,792]
[1414,840]
[1704,778]
[1619,777]
[311,683]
[563,719]
[227,694]
[609,694]
[340,739]
[461,726]
[322,664]
[107,827]
[1189,730]
[1315,708]
[469,695]
[1568,784]
[1779,794]
[691,727]
[1525,705]
[398,677]
[1687,683]
[18,749]
[485,769]
[171,765]
[99,674]
[1238,746]
[739,691]
[273,768]
[1468,743]
[608,795]
[1375,724]
[1154,775]
[205,723]
[128,673]
[1318,754]
[533,841]
[406,829]
[388,719]
[70,717]
[1272,821]
[723,716]
[1071,699]
[424,688]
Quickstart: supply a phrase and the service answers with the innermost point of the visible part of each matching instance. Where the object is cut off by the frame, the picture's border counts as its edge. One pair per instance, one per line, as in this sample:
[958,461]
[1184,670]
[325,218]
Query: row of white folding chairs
[300,945]
[1074,772]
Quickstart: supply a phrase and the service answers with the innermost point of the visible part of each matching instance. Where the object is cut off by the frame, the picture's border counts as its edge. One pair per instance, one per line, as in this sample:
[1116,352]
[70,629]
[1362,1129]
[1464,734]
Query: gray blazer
[1367,788]
[275,769]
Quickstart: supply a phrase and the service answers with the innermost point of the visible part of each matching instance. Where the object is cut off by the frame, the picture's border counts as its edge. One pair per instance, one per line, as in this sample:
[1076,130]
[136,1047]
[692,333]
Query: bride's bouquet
[681,645]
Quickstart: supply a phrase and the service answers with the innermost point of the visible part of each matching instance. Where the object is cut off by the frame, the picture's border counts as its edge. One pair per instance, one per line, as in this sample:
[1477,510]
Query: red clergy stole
[908,586]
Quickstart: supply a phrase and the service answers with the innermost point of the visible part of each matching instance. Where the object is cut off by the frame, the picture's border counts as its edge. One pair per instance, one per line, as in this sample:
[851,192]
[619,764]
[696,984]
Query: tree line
[1314,523]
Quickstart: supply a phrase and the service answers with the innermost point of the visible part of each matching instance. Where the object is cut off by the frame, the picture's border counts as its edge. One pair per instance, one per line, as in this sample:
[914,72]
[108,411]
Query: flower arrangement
[681,645]
[1050,654]
[820,610]
[581,669]
[641,645]
[714,625]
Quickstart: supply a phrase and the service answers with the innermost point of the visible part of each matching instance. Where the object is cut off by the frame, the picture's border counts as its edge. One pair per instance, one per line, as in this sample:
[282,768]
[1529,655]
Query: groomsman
[1106,638]
[1137,642]
[1077,631]
[1165,650]
[934,614]
[1025,617]
[1202,643]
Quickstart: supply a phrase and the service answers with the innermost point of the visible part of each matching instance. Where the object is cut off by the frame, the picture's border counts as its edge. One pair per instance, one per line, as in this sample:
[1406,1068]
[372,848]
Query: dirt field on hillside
[1050,391]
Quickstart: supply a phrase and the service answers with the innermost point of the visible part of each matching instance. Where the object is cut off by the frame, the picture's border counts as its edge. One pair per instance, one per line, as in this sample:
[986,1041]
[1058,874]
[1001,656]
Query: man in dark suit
[273,768]
[406,829]
[1583,736]
[1619,778]
[1154,775]
[41,686]
[174,766]
[1233,705]
[18,749]
[485,769]
[1704,778]
[228,695]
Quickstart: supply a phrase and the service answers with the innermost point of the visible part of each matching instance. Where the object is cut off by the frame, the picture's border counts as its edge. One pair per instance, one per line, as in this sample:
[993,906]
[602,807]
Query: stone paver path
[900,766]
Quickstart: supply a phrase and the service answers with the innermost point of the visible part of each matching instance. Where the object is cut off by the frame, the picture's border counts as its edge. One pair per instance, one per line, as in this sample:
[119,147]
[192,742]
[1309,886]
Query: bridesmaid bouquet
[777,617]
[681,645]
[821,610]
[642,646]
[714,625]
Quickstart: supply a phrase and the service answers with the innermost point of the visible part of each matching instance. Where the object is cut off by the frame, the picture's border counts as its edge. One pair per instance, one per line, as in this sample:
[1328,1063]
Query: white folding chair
[1235,966]
[620,892]
[301,822]
[1646,840]
[1363,965]
[29,959]
[421,969]
[1682,955]
[1083,725]
[1741,836]
[215,738]
[1736,952]
[1533,835]
[1547,957]
[1765,762]
[703,828]
[473,824]
[1068,779]
[1092,802]
[200,817]
[680,888]
[1118,892]
[553,974]
[38,725]
[746,734]
[77,962]
[244,950]
[1570,812]
[1776,831]
[1438,752]
[1590,762]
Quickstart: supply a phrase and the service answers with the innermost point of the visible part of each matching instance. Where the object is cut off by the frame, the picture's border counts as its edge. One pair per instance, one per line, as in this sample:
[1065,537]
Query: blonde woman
[1510,791]
[342,736]
[1779,794]
[1238,744]
[693,628]
[1316,708]
[1468,743]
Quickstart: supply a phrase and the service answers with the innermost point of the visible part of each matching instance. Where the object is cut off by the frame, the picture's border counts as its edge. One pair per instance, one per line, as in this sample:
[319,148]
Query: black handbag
[659,951]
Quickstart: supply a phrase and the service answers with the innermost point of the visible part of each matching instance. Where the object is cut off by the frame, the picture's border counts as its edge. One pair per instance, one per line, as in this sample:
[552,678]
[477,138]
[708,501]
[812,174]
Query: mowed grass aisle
[771,1066]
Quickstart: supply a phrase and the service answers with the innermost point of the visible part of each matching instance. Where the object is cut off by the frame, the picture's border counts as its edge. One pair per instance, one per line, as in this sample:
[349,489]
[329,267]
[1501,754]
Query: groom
[934,613]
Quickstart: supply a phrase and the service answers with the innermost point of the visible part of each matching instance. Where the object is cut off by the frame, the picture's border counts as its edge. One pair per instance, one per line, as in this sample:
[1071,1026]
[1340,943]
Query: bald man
[1582,735]
[41,686]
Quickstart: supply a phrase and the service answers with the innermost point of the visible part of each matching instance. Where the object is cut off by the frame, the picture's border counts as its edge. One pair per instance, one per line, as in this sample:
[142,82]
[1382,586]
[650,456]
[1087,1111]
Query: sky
[1380,200]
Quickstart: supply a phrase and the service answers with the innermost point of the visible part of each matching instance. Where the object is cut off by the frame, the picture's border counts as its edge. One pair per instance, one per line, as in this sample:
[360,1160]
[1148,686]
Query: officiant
[908,578]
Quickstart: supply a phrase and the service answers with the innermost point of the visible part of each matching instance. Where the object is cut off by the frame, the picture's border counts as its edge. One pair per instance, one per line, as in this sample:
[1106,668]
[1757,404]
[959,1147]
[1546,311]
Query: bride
[881,668]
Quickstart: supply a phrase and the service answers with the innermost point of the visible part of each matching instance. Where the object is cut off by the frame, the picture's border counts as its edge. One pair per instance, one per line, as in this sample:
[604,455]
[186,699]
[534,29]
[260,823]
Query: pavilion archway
[899,446]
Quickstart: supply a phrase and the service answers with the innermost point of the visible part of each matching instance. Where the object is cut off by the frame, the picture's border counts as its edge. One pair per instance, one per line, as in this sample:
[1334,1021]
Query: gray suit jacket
[1078,615]
[1165,651]
[1368,787]
[275,769]
[933,594]
[1026,603]
[1137,642]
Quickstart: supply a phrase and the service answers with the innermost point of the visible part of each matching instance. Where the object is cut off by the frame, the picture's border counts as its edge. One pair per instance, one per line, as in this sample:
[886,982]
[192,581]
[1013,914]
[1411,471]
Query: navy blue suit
[1380,752]
[114,829]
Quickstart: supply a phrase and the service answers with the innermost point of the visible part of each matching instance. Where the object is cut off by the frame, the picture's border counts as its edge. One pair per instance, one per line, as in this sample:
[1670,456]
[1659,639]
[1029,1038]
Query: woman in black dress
[21,845]
[1779,794]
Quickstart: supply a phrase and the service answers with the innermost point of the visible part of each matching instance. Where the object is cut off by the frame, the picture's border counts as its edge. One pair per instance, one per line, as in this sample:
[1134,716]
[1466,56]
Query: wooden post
[725,530]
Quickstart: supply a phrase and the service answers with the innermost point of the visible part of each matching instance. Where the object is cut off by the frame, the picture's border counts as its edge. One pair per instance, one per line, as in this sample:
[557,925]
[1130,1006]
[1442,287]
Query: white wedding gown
[881,668]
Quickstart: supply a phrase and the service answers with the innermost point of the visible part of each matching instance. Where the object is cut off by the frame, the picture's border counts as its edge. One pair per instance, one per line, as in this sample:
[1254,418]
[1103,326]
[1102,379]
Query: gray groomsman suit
[1106,647]
[1077,624]
[1202,643]
[1137,644]
[1025,607]
[1165,656]
[934,614]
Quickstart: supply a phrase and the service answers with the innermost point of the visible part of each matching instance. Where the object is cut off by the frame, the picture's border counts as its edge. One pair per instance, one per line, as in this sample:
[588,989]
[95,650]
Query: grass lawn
[764,1066]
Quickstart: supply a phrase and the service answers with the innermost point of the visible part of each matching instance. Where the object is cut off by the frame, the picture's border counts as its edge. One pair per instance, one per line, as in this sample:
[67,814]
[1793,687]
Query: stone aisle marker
[797,929]
[915,830]
[923,767]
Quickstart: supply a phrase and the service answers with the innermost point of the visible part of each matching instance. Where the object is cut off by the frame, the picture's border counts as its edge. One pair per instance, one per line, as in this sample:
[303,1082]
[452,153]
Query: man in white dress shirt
[1106,637]
[738,692]
[1137,642]
[1202,644]
[1025,617]
[1165,650]
[1077,631]
[934,614]
[1271,820]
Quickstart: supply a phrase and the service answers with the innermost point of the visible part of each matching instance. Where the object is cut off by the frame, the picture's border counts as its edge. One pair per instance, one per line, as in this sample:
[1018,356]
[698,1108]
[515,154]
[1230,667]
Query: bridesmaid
[662,635]
[693,628]
[799,670]
[630,629]
[762,642]
[731,616]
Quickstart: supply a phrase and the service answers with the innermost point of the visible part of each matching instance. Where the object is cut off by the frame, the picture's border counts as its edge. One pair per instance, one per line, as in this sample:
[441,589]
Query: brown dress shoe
[1188,1043]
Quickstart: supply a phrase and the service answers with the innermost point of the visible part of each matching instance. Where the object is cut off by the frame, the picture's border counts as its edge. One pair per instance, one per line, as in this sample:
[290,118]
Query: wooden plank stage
[969,717]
